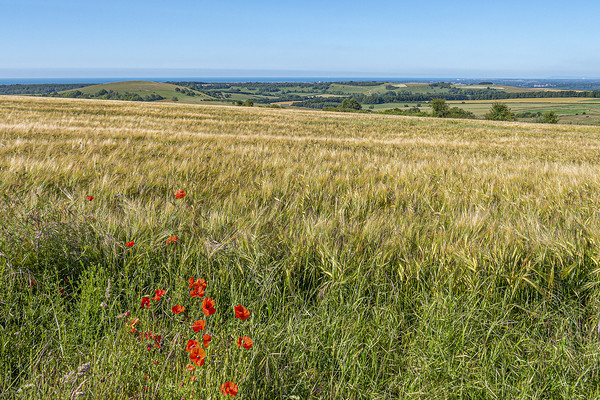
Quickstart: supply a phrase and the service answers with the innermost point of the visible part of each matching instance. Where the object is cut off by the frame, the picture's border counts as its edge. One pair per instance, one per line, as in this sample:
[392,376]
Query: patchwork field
[379,256]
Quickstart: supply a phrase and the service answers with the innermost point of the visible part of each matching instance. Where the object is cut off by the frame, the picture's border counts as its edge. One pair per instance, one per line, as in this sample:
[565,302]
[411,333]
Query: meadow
[379,256]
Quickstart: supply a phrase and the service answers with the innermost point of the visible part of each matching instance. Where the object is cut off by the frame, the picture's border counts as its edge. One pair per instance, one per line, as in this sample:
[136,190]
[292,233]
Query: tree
[350,104]
[440,108]
[249,103]
[549,118]
[500,112]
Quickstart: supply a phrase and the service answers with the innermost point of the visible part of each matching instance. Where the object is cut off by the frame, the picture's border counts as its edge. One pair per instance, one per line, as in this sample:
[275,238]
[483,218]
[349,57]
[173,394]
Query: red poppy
[197,293]
[158,293]
[89,198]
[229,388]
[130,244]
[242,312]
[208,306]
[206,339]
[246,342]
[132,324]
[190,367]
[198,325]
[179,194]
[145,303]
[191,344]
[177,309]
[192,378]
[200,284]
[171,239]
[198,355]
[191,282]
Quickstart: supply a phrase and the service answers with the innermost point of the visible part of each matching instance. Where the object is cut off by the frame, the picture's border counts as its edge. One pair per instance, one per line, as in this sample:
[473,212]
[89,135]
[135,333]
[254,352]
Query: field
[143,88]
[380,256]
[577,110]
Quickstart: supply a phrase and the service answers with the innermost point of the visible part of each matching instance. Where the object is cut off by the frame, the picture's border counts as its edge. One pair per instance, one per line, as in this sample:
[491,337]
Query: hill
[378,257]
[143,89]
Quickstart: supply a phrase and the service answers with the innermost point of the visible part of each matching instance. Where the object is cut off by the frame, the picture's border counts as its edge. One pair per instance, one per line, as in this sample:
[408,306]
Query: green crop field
[379,257]
[570,110]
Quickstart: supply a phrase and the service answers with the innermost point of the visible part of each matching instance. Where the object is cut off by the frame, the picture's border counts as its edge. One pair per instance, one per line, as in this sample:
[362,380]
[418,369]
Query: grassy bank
[380,256]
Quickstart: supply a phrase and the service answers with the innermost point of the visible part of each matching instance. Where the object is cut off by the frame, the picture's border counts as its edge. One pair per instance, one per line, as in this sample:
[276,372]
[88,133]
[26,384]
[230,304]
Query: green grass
[144,88]
[380,256]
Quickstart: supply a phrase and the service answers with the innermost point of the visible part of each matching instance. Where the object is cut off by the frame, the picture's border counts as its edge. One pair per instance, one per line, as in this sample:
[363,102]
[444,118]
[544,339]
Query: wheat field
[380,256]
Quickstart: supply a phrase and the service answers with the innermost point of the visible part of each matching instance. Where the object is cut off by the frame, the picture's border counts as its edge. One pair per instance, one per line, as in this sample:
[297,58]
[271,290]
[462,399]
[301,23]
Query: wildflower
[197,293]
[179,194]
[158,293]
[132,324]
[31,283]
[242,312]
[190,367]
[191,344]
[208,306]
[206,339]
[198,356]
[145,303]
[89,198]
[229,388]
[245,341]
[177,309]
[192,378]
[130,244]
[156,363]
[171,239]
[191,282]
[198,325]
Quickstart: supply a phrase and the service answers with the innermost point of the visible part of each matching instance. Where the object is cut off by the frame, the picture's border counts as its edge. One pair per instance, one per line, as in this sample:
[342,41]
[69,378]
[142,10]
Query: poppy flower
[206,339]
[190,367]
[200,284]
[191,344]
[198,355]
[179,194]
[145,303]
[177,309]
[192,378]
[130,244]
[89,198]
[191,282]
[242,312]
[198,325]
[208,306]
[132,324]
[171,239]
[158,293]
[229,388]
[197,293]
[246,342]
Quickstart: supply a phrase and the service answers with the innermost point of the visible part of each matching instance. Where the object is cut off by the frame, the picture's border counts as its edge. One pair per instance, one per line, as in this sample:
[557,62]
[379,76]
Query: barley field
[379,257]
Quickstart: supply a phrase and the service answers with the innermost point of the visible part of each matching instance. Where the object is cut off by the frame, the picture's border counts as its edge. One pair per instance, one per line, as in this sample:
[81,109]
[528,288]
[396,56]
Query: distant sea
[28,81]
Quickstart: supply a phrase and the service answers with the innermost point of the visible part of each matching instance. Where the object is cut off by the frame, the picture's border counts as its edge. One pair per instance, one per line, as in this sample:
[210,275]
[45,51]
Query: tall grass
[381,256]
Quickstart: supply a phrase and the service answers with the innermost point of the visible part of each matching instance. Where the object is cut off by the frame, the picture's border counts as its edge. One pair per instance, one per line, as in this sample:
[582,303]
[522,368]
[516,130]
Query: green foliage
[456,112]
[350,104]
[549,118]
[500,112]
[249,103]
[440,108]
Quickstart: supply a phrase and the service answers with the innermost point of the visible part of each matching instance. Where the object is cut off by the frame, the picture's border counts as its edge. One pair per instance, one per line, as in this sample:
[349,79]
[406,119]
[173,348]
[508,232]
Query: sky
[288,38]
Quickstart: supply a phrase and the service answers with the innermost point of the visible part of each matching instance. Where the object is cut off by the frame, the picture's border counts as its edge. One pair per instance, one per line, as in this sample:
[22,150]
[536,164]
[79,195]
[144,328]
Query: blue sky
[460,38]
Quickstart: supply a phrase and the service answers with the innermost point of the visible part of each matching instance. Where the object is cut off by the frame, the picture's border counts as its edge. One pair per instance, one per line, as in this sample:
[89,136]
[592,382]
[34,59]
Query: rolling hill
[146,88]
